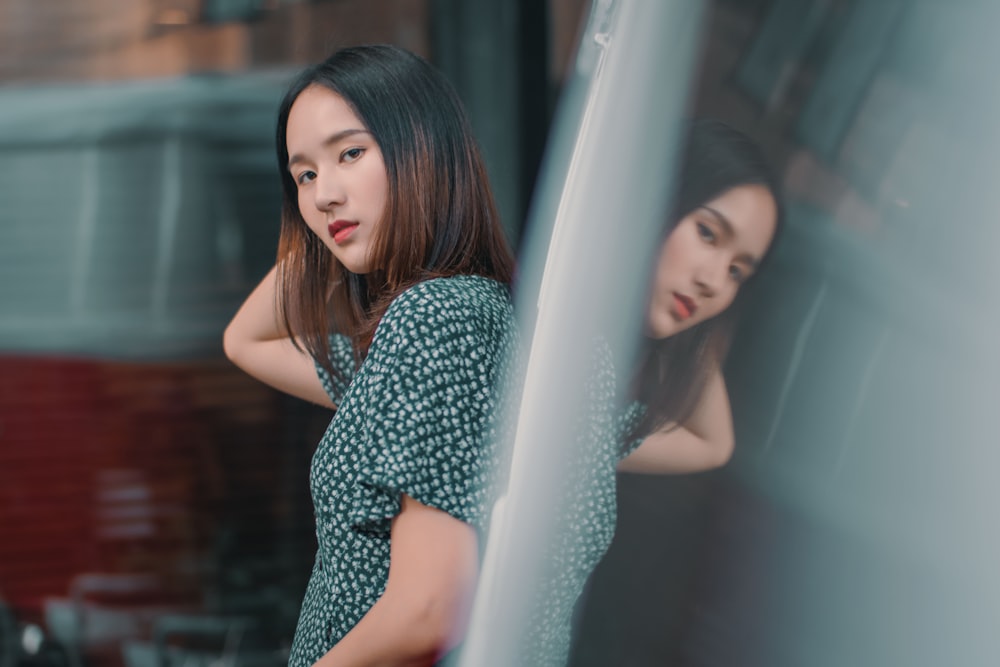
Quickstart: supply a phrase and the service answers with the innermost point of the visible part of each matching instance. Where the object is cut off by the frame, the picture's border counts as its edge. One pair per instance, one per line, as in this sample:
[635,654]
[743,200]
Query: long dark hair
[440,218]
[670,374]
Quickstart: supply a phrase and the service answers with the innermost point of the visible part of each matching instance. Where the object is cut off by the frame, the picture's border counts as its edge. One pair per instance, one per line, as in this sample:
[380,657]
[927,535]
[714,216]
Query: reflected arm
[703,442]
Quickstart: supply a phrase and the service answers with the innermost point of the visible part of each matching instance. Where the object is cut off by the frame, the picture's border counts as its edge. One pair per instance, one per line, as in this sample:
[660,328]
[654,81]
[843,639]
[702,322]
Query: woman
[389,302]
[725,218]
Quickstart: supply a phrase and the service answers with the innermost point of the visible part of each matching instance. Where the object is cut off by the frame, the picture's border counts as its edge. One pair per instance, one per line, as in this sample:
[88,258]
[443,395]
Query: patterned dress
[418,417]
[586,511]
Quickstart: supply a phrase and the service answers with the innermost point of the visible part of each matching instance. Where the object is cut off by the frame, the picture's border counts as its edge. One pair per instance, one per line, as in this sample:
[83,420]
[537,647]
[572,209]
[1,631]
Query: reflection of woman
[726,216]
[389,302]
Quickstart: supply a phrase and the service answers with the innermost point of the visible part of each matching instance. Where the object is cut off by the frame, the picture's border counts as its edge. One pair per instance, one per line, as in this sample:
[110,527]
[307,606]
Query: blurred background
[154,503]
[154,500]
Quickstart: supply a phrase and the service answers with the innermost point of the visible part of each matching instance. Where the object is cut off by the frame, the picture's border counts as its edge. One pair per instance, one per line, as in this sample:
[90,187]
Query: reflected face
[707,256]
[340,174]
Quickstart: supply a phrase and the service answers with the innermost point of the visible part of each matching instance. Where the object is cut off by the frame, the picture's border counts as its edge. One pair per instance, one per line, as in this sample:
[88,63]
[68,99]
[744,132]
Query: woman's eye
[305,177]
[351,154]
[705,232]
[736,273]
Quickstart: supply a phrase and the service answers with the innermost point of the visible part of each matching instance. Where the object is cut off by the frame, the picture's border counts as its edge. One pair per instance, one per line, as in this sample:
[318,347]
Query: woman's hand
[423,613]
[703,442]
[257,342]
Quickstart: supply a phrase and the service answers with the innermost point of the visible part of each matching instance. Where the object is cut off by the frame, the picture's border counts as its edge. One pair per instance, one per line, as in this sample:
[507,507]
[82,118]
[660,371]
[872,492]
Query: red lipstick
[685,306]
[340,230]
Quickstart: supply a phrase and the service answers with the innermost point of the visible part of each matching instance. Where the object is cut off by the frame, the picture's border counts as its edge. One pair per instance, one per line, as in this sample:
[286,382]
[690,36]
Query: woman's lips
[685,306]
[340,230]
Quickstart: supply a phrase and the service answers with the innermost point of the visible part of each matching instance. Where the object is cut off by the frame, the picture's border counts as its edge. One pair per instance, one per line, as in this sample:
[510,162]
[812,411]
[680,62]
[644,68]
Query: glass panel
[852,525]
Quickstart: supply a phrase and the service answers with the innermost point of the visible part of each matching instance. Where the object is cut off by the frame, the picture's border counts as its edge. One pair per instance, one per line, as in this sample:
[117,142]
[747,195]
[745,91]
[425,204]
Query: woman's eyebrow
[329,141]
[727,228]
[723,220]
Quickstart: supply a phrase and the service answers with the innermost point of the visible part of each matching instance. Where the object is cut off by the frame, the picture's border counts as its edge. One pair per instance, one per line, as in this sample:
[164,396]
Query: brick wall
[60,40]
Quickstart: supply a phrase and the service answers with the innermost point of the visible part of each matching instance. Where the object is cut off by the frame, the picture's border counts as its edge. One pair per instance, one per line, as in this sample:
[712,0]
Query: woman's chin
[660,328]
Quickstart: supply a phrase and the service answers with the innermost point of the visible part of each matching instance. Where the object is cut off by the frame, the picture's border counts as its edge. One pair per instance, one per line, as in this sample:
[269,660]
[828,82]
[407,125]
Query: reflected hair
[440,218]
[670,374]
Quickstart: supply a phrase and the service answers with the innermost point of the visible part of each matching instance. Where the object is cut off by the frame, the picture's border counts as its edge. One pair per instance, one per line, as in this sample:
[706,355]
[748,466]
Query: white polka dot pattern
[587,512]
[419,417]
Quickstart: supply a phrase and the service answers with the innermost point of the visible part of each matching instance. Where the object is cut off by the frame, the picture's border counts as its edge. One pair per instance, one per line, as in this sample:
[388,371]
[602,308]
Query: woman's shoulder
[461,310]
[451,298]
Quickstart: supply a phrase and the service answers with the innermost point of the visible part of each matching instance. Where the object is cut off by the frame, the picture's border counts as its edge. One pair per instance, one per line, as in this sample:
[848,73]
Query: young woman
[725,218]
[389,302]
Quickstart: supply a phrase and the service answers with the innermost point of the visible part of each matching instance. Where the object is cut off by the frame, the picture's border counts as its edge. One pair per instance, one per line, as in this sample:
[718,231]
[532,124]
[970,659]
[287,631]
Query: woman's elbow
[723,452]
[435,634]
[437,624]
[231,345]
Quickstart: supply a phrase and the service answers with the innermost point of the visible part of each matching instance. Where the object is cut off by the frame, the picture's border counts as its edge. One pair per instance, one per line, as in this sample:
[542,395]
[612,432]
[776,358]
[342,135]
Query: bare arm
[256,341]
[422,613]
[703,442]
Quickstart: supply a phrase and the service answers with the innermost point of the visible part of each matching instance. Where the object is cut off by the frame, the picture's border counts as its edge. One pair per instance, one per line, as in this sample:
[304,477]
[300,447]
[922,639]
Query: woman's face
[707,256]
[341,178]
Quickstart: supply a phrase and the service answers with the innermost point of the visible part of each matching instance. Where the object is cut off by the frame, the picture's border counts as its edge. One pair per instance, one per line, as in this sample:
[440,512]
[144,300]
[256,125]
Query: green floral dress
[420,417]
[586,510]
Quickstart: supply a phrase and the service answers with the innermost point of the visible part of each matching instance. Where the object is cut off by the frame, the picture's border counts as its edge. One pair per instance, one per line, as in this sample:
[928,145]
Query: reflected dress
[419,416]
[586,513]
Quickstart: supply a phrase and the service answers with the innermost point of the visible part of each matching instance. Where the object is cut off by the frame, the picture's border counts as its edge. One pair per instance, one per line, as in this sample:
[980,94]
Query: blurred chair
[102,611]
[193,640]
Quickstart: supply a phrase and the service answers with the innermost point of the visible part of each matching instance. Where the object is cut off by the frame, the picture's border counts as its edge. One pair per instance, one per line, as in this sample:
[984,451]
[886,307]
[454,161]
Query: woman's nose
[329,192]
[710,276]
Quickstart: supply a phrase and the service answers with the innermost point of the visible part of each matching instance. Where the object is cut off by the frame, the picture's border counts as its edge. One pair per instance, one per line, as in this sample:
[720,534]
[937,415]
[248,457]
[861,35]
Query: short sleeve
[432,410]
[342,360]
